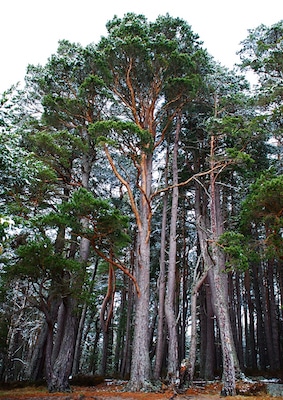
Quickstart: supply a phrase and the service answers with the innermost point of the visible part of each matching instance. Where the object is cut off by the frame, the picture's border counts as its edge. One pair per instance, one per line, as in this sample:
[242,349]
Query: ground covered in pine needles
[115,390]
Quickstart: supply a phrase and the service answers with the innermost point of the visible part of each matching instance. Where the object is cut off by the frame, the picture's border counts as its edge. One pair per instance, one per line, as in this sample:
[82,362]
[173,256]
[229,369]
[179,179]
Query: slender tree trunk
[173,361]
[77,354]
[214,261]
[121,326]
[251,358]
[259,303]
[184,289]
[94,357]
[274,323]
[86,165]
[161,287]
[197,283]
[210,356]
[238,299]
[125,365]
[36,366]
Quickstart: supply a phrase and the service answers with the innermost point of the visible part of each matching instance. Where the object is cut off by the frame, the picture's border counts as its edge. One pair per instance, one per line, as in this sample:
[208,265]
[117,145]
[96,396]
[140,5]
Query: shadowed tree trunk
[58,379]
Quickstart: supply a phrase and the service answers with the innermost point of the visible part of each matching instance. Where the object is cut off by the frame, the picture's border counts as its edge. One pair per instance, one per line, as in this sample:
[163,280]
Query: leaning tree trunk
[36,365]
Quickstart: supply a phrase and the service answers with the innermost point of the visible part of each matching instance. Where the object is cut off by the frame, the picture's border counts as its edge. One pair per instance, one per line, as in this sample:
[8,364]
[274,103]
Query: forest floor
[115,390]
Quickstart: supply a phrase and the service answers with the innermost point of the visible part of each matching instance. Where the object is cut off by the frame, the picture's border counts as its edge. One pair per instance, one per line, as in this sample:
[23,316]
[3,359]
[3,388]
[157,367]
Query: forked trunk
[59,370]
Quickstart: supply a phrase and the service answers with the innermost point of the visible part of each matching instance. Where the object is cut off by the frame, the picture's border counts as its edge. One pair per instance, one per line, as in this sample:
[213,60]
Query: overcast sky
[31,29]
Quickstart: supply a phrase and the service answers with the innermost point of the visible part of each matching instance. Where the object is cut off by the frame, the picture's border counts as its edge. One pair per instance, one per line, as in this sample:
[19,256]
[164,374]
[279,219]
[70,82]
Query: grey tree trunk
[173,359]
[218,282]
[141,368]
[209,228]
[161,295]
[208,359]
[197,283]
[87,161]
[126,362]
[36,366]
[58,380]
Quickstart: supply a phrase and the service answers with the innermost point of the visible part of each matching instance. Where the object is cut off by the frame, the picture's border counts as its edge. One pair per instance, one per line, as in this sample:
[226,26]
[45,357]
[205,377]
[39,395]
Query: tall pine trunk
[141,368]
[160,341]
[218,282]
[173,359]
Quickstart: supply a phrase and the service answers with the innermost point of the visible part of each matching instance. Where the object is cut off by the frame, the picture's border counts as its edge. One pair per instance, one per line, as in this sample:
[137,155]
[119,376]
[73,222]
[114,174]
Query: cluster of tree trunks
[148,120]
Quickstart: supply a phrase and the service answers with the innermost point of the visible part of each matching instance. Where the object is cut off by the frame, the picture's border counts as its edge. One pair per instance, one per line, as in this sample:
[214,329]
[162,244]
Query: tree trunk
[77,353]
[209,229]
[125,364]
[259,304]
[226,337]
[36,366]
[197,283]
[185,284]
[210,356]
[173,367]
[161,283]
[58,377]
[274,323]
[141,369]
[251,356]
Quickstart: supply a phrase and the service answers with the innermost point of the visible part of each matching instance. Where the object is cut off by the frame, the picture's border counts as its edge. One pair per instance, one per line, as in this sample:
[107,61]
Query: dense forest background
[142,210]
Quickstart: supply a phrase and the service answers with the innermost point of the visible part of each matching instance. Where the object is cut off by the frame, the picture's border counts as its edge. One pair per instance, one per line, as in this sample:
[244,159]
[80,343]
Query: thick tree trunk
[61,367]
[226,337]
[141,368]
